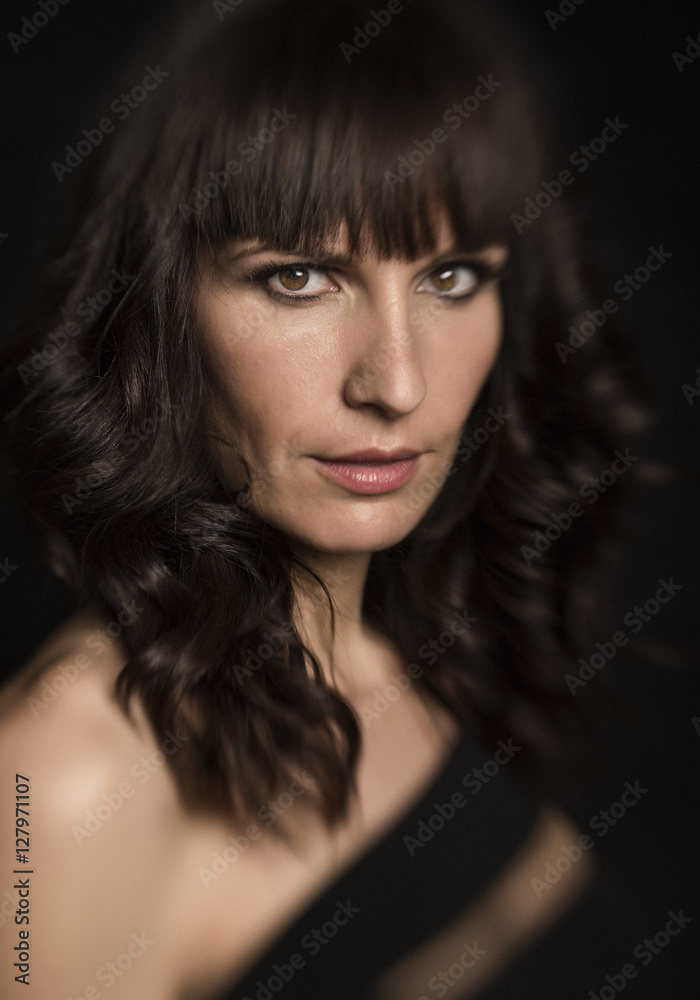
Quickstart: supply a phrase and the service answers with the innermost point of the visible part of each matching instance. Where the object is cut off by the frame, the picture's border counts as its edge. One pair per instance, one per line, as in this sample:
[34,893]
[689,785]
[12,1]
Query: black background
[607,59]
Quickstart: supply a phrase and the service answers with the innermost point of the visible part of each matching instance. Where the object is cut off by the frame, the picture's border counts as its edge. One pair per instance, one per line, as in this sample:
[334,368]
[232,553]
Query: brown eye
[294,279]
[446,280]
[455,281]
[295,282]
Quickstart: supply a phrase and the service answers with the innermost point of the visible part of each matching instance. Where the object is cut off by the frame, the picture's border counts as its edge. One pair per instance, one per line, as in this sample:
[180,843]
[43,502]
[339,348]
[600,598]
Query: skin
[139,870]
[299,384]
[385,357]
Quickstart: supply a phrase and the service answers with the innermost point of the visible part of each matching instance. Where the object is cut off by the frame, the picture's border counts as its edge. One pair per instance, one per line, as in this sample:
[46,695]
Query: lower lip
[370,478]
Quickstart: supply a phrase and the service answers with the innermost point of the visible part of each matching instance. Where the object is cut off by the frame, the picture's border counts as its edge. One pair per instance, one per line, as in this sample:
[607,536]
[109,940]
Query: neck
[345,577]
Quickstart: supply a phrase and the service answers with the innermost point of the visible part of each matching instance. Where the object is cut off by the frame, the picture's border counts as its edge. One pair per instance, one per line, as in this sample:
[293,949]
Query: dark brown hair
[143,519]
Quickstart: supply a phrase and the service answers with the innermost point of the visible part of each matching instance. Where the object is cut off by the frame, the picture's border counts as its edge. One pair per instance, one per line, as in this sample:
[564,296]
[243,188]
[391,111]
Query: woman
[293,426]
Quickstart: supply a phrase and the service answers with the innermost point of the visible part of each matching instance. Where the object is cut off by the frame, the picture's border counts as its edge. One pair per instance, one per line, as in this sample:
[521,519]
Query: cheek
[474,343]
[245,406]
[243,361]
[483,331]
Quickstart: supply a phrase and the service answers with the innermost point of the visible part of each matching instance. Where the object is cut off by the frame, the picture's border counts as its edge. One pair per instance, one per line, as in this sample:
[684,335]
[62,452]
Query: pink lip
[372,455]
[373,471]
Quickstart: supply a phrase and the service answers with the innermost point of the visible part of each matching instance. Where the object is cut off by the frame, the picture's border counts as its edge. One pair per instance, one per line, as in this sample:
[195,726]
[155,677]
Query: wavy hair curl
[211,647]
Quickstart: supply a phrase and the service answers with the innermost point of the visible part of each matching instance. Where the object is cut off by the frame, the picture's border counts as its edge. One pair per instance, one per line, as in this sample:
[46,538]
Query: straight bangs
[297,132]
[291,122]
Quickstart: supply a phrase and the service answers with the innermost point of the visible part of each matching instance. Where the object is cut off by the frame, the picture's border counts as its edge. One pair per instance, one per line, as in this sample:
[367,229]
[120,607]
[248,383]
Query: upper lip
[376,455]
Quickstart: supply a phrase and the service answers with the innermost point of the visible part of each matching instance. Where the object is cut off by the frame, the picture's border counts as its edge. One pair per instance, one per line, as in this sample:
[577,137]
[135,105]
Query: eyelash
[268,270]
[485,272]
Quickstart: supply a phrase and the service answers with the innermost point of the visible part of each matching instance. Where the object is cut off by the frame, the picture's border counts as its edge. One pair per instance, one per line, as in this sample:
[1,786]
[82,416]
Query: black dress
[426,871]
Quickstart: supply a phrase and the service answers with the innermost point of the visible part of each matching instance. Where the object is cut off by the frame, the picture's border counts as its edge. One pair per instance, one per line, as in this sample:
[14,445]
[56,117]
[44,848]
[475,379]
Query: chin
[353,536]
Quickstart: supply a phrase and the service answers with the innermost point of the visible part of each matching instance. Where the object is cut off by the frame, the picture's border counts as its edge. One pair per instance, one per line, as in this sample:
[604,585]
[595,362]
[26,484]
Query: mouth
[373,471]
[372,456]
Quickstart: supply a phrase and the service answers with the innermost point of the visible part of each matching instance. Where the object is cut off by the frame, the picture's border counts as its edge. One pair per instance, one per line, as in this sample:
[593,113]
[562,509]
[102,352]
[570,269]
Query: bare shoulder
[61,718]
[96,843]
[86,648]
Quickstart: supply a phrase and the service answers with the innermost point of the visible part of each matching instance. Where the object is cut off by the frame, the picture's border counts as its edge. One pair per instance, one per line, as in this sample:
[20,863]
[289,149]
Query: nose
[385,370]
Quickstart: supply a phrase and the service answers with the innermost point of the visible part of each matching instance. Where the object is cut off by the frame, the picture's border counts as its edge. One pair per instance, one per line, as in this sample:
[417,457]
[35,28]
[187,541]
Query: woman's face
[345,382]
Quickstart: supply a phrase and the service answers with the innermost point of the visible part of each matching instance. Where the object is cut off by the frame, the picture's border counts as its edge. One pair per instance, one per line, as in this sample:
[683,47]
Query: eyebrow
[328,258]
[320,254]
